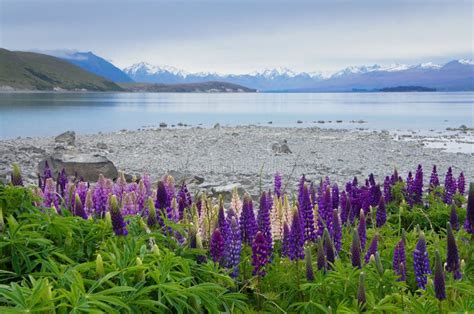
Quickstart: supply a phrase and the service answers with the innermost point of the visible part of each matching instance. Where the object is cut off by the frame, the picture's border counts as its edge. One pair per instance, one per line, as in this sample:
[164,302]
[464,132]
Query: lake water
[45,114]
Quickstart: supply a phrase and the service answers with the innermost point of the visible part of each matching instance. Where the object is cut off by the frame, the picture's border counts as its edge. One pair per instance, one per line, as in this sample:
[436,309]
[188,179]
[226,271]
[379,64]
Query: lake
[46,114]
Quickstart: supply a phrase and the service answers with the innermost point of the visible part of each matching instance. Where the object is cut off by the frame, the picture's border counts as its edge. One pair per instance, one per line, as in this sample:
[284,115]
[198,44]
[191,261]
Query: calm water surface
[44,114]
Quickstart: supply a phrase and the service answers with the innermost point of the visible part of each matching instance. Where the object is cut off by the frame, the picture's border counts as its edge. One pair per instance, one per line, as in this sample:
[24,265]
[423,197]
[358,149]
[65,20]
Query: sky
[229,36]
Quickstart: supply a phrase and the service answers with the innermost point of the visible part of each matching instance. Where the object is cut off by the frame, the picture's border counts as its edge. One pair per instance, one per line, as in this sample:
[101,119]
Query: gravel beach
[223,157]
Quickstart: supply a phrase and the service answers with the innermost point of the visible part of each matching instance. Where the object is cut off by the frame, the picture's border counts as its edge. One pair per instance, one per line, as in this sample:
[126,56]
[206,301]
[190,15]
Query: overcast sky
[242,36]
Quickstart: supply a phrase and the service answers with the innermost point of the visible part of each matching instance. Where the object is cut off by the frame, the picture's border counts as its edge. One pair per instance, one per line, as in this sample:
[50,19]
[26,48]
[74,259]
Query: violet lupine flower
[337,232]
[277,185]
[233,248]
[335,196]
[381,214]
[372,248]
[395,177]
[366,199]
[355,250]
[453,218]
[461,185]
[328,247]
[453,263]
[81,189]
[147,182]
[119,186]
[248,225]
[301,185]
[375,195]
[168,181]
[263,220]
[285,244]
[16,178]
[418,186]
[260,254]
[469,223]
[325,213]
[449,187]
[46,173]
[371,179]
[162,200]
[306,210]
[184,199]
[217,246]
[410,189]
[400,260]
[321,256]
[89,204]
[222,223]
[309,264]
[361,297]
[421,262]
[142,197]
[128,206]
[362,230]
[50,196]
[79,208]
[439,280]
[434,180]
[118,224]
[387,189]
[296,239]
[344,212]
[62,182]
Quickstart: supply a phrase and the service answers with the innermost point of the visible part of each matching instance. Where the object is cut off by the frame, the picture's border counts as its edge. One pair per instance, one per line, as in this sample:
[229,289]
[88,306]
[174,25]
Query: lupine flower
[81,189]
[309,264]
[248,225]
[217,246]
[418,186]
[119,186]
[162,200]
[376,194]
[142,196]
[128,206]
[285,245]
[361,298]
[46,174]
[421,262]
[378,263]
[16,178]
[301,185]
[50,196]
[321,257]
[362,230]
[222,223]
[434,180]
[306,209]
[277,185]
[400,260]
[335,196]
[355,250]
[78,208]
[453,263]
[62,182]
[372,248]
[296,239]
[263,220]
[453,218]
[366,199]
[337,232]
[344,209]
[325,213]
[70,195]
[328,247]
[461,185]
[89,204]
[449,186]
[439,280]
[387,189]
[381,214]
[260,254]
[235,202]
[233,248]
[276,217]
[469,223]
[100,195]
[410,186]
[118,224]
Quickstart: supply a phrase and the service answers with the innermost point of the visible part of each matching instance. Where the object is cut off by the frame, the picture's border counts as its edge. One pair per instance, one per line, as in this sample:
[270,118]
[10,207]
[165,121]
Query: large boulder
[88,166]
[281,148]
[68,138]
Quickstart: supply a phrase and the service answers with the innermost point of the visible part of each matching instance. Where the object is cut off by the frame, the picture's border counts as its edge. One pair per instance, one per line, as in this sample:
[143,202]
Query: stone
[299,121]
[163,125]
[68,138]
[88,166]
[226,190]
[101,145]
[217,126]
[281,148]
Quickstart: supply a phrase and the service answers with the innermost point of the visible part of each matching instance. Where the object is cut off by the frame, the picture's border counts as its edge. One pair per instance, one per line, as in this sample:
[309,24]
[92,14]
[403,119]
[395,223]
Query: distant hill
[397,89]
[204,87]
[92,63]
[35,71]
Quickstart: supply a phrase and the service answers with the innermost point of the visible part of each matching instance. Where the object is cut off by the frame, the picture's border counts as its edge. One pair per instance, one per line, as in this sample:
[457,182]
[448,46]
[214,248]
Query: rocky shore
[220,158]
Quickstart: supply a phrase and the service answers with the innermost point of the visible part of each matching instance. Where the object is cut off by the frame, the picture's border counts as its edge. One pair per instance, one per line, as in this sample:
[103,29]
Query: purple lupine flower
[453,218]
[70,195]
[337,232]
[277,185]
[62,182]
[50,196]
[387,189]
[263,220]
[184,199]
[248,225]
[434,180]
[421,262]
[321,256]
[372,248]
[260,254]
[343,201]
[233,248]
[152,220]
[345,211]
[118,224]
[128,206]
[119,186]
[301,185]
[328,247]
[147,182]
[461,185]
[356,250]
[312,195]
[306,210]
[285,244]
[16,178]
[142,196]
[361,297]
[217,246]
[395,177]
[449,186]
[325,213]
[355,199]
[410,189]
[381,214]
[469,223]
[79,208]
[222,223]
[400,260]
[309,264]
[354,182]
[46,174]
[372,179]
[335,196]
[453,263]
[362,230]
[89,204]
[418,185]
[366,199]
[296,238]
[375,195]
[162,200]
[81,189]
[439,278]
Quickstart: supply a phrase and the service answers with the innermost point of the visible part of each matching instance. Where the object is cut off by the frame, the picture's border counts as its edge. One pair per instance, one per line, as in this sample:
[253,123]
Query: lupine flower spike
[259,254]
[361,297]
[439,280]
[381,214]
[400,260]
[453,218]
[328,248]
[355,250]
[421,262]
[118,224]
[453,263]
[469,223]
[309,264]
[362,230]
[372,248]
[217,246]
[16,178]
[321,257]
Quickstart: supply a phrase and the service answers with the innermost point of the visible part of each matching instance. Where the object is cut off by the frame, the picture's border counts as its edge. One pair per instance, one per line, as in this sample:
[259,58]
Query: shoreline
[225,157]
